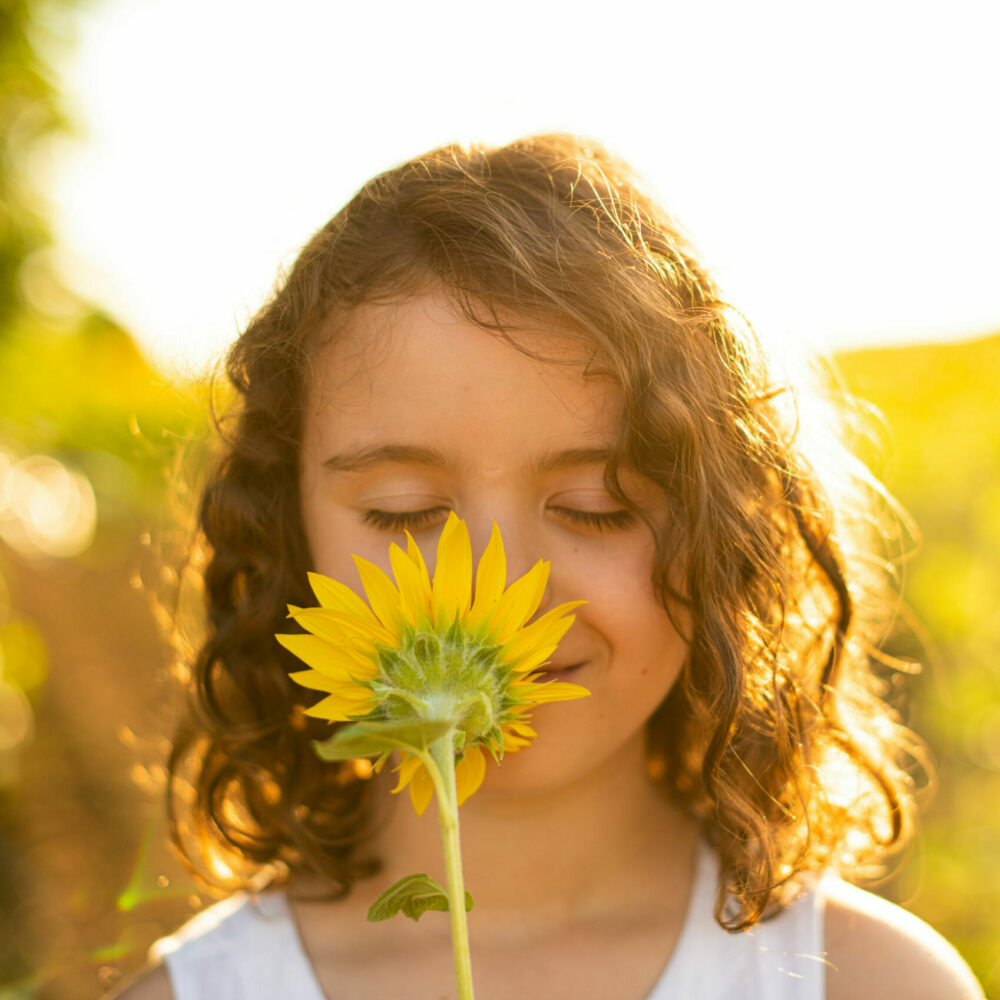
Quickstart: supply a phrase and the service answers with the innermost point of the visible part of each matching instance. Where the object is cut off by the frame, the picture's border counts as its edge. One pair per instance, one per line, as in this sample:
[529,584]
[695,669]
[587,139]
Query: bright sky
[837,165]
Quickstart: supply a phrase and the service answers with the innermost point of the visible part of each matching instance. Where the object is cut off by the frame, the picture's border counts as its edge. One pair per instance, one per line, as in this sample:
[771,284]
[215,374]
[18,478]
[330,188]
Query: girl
[520,335]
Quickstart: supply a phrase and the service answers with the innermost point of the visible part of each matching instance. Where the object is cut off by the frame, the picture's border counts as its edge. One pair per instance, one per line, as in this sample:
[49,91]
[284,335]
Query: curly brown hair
[776,735]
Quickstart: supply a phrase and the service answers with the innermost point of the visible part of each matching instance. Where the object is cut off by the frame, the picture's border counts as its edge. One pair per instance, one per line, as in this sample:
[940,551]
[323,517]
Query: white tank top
[248,948]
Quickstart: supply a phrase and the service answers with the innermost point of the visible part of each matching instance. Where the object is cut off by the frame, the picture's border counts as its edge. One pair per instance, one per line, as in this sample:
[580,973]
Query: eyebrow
[407,454]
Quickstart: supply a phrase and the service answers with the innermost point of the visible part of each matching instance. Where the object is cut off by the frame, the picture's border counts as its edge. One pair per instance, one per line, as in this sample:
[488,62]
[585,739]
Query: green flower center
[444,676]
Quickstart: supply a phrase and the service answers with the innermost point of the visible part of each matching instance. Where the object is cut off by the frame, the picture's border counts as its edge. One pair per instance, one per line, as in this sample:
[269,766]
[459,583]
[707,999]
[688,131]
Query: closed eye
[405,520]
[611,520]
[421,520]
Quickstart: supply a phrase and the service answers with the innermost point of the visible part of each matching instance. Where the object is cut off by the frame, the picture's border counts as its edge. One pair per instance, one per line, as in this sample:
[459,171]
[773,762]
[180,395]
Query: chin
[555,762]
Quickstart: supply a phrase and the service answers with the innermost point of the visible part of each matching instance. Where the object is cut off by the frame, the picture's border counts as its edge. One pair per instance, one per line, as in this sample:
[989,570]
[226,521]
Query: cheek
[617,579]
[647,643]
[331,554]
[332,535]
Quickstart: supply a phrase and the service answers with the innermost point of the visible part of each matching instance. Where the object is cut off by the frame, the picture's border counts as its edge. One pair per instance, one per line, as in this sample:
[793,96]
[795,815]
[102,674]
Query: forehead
[421,368]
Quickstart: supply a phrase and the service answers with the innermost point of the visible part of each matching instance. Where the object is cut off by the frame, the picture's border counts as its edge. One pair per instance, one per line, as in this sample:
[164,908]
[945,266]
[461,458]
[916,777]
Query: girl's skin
[563,845]
[580,868]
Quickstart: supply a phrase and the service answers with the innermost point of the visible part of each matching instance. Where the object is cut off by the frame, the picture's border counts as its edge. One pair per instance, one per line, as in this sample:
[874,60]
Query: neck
[605,844]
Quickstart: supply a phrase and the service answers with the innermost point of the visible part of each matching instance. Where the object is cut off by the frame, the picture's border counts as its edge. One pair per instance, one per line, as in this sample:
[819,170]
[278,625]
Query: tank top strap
[779,959]
[245,948]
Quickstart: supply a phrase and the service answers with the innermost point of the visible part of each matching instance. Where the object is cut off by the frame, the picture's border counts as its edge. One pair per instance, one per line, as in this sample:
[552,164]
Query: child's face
[417,412]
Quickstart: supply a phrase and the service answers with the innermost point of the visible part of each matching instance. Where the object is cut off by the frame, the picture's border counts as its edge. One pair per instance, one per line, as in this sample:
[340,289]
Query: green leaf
[371,739]
[414,895]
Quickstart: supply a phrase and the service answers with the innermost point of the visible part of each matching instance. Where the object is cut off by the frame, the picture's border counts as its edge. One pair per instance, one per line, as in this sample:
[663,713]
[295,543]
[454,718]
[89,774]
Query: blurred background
[159,162]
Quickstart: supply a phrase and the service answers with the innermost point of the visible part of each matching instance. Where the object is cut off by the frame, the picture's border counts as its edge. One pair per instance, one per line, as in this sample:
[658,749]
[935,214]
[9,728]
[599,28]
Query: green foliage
[414,895]
[88,395]
[942,410]
[29,114]
[76,390]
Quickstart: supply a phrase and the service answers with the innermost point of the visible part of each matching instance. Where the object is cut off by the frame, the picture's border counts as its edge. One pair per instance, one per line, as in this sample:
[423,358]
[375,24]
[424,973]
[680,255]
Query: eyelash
[417,520]
[410,520]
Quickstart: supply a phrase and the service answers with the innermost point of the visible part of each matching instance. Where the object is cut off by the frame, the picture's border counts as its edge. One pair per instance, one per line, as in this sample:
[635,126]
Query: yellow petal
[549,691]
[336,626]
[413,551]
[406,771]
[521,729]
[353,693]
[519,602]
[546,632]
[413,774]
[537,659]
[421,790]
[337,596]
[382,595]
[316,681]
[491,578]
[336,661]
[452,572]
[414,596]
[358,649]
[512,742]
[338,709]
[469,772]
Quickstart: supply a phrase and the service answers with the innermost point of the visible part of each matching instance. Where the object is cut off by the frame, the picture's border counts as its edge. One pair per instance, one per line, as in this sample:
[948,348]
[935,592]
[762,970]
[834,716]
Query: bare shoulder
[153,984]
[876,949]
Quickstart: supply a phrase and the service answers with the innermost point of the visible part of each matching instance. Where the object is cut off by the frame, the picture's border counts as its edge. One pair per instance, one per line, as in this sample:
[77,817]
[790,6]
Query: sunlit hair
[775,734]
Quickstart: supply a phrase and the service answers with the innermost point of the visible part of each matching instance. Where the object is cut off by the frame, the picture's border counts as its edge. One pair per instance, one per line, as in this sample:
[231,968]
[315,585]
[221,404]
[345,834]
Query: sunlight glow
[46,509]
[837,167]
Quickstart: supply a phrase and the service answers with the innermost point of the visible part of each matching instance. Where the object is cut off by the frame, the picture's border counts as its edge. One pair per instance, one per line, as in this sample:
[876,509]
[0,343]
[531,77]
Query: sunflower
[440,651]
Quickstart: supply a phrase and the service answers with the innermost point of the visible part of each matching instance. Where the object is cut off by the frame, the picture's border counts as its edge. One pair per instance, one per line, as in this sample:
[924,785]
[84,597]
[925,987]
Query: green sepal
[504,670]
[414,896]
[387,658]
[496,733]
[371,739]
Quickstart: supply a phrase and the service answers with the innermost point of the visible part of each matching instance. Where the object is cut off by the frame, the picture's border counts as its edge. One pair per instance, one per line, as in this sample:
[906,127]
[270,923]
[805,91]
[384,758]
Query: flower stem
[443,757]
